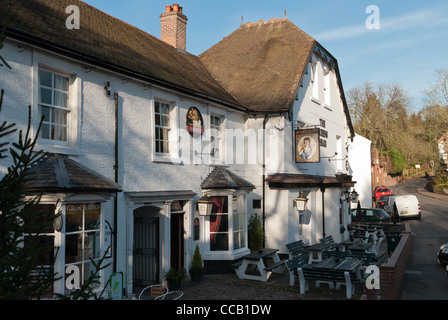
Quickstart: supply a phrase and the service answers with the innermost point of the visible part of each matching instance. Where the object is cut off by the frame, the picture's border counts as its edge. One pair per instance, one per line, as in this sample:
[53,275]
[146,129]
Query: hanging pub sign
[307,145]
[195,124]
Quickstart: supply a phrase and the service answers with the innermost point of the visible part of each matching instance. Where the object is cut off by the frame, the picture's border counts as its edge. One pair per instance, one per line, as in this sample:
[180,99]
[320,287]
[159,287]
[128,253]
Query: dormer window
[314,82]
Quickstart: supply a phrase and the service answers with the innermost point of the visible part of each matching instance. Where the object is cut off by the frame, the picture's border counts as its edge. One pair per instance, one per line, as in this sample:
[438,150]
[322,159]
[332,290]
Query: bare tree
[379,113]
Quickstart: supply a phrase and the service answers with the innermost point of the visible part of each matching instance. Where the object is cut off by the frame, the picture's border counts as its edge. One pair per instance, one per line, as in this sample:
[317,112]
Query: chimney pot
[175,7]
[168,8]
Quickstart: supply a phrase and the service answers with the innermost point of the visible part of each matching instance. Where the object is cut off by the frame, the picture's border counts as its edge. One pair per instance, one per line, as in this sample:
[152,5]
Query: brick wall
[392,271]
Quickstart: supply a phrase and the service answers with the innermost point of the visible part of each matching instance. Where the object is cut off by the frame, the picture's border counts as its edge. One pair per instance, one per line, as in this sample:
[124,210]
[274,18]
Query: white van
[407,206]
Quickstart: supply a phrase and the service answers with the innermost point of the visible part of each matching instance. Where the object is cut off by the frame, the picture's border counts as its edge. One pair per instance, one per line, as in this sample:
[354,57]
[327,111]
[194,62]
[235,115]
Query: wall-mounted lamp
[350,196]
[301,201]
[107,88]
[205,205]
[347,195]
[355,196]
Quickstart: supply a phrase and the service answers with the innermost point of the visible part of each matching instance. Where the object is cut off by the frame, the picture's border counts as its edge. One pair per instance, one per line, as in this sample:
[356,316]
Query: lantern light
[205,205]
[301,201]
[355,196]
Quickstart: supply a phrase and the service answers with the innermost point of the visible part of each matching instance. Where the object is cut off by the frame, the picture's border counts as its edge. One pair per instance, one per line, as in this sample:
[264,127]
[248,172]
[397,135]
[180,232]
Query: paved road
[425,279]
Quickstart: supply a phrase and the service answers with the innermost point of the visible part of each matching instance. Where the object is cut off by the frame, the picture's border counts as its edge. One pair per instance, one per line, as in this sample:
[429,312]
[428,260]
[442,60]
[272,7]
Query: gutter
[80,56]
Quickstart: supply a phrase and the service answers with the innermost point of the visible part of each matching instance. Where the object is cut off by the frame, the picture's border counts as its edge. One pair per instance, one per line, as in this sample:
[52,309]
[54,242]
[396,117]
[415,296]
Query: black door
[146,264]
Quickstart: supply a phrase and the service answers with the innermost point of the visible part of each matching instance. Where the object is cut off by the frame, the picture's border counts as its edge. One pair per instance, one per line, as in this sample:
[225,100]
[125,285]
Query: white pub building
[136,130]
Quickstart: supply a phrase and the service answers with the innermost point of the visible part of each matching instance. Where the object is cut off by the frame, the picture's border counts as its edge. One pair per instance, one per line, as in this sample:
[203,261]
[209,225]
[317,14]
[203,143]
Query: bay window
[228,225]
[219,224]
[239,224]
[82,237]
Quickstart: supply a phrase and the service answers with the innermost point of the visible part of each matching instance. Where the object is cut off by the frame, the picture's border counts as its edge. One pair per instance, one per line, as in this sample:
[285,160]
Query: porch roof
[222,178]
[59,173]
[289,181]
[154,196]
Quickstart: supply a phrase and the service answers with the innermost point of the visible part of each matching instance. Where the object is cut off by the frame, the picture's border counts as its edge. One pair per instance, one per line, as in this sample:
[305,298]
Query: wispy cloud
[426,18]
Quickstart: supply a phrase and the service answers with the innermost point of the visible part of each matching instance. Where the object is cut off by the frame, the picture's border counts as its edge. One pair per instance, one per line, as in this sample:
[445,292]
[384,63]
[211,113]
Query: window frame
[327,87]
[239,215]
[315,82]
[218,232]
[174,145]
[74,104]
[53,107]
[97,236]
[216,133]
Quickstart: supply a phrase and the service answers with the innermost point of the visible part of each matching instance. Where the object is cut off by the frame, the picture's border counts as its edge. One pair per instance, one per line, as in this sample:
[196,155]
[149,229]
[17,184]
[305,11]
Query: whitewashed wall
[361,166]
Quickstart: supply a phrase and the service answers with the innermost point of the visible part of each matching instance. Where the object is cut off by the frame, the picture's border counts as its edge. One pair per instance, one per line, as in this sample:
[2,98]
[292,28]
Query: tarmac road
[425,279]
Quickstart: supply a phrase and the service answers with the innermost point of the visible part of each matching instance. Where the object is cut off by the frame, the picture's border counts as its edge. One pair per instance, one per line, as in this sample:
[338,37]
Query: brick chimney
[174,27]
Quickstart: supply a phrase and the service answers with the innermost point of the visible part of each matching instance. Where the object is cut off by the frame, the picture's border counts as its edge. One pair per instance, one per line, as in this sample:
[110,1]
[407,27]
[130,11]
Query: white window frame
[231,253]
[70,146]
[217,133]
[315,87]
[158,115]
[327,87]
[83,232]
[49,123]
[239,217]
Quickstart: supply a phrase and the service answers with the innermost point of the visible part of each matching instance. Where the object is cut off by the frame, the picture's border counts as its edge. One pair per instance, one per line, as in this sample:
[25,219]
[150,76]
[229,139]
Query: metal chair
[159,292]
[153,292]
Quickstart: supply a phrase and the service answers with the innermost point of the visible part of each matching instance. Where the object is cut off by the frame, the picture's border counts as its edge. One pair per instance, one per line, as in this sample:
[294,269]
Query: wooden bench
[294,263]
[328,240]
[330,276]
[295,248]
[280,264]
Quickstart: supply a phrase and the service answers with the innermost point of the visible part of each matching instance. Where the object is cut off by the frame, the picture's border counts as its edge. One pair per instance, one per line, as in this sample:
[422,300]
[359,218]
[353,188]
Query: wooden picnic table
[344,245]
[332,270]
[318,248]
[258,261]
[361,246]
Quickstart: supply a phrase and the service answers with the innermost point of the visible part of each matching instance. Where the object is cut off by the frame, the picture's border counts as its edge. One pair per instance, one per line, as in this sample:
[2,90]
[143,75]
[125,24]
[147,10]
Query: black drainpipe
[322,189]
[116,181]
[265,120]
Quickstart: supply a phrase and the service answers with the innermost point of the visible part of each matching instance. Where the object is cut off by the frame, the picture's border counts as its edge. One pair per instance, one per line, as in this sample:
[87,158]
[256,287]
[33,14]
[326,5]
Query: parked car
[442,255]
[370,215]
[382,200]
[380,191]
[403,206]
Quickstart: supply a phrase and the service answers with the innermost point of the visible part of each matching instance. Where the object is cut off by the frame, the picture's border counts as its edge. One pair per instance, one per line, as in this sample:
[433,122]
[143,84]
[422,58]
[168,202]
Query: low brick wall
[392,271]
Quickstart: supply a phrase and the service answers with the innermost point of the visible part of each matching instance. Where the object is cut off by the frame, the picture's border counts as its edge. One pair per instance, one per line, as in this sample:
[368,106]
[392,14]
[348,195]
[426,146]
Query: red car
[381,191]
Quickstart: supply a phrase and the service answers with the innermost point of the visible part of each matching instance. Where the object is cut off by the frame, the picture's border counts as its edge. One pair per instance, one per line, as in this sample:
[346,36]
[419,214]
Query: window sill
[315,100]
[163,158]
[226,255]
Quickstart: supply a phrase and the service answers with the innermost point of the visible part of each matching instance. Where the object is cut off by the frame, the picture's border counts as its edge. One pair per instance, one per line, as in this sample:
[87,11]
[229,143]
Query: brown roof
[222,178]
[257,68]
[105,41]
[59,173]
[261,64]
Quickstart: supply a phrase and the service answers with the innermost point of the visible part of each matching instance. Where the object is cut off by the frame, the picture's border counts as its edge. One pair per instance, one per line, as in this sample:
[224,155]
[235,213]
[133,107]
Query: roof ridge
[262,22]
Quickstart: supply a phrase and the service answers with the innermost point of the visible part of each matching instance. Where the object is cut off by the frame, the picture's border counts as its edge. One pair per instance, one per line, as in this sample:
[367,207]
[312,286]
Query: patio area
[277,287]
[230,287]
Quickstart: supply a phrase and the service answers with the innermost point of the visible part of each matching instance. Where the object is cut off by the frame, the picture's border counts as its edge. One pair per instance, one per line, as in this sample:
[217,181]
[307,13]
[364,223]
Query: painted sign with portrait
[195,124]
[307,145]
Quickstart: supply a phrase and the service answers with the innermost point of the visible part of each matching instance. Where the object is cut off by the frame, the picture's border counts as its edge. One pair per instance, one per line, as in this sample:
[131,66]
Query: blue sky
[410,44]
